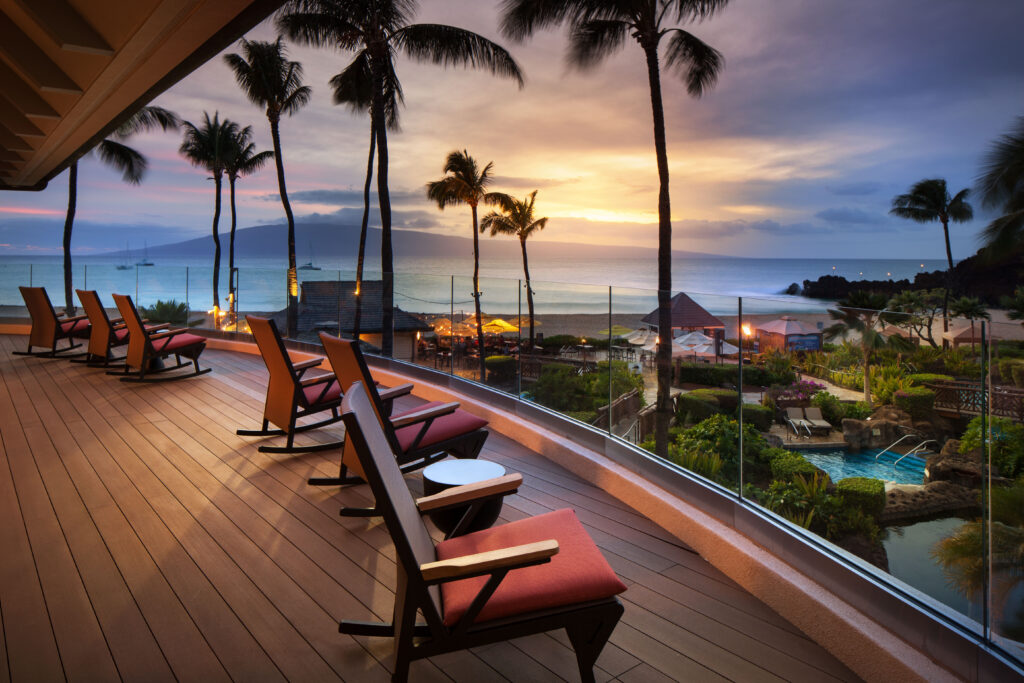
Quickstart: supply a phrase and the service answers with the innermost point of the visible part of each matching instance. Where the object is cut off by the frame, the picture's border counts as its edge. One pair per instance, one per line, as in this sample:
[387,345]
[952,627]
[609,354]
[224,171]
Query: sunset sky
[826,109]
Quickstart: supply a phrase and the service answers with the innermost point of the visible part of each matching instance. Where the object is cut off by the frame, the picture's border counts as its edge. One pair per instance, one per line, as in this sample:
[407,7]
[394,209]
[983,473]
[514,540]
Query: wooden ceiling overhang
[72,70]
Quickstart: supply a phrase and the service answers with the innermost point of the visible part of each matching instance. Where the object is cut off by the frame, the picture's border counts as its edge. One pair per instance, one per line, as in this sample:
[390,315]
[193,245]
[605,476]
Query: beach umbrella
[524,321]
[642,337]
[615,331]
[499,326]
[691,339]
[786,326]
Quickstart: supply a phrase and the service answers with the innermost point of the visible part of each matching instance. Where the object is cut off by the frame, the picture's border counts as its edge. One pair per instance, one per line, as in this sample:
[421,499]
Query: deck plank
[135,514]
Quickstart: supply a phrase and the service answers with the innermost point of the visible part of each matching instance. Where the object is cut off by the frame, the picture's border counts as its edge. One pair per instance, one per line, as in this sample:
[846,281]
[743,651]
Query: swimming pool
[840,464]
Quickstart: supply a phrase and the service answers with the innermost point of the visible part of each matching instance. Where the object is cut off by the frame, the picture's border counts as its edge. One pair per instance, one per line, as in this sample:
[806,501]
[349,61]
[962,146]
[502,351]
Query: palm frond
[1005,233]
[960,210]
[591,42]
[451,46]
[129,162]
[267,77]
[145,119]
[1003,169]
[520,18]
[695,10]
[694,61]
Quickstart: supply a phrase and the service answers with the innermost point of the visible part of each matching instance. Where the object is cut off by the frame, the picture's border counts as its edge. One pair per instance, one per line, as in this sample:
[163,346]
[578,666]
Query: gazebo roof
[686,313]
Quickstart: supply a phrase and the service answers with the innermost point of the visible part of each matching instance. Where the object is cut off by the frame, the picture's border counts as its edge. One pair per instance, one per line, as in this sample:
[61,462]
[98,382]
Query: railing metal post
[609,359]
[85,276]
[136,284]
[451,327]
[739,387]
[188,310]
[30,275]
[519,339]
[986,494]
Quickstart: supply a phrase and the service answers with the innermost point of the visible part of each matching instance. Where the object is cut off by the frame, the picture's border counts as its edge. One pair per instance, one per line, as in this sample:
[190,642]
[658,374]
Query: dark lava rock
[908,502]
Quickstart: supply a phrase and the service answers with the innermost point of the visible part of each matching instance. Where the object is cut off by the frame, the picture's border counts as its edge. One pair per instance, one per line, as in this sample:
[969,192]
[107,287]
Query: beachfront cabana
[788,334]
[689,316]
[330,305]
[966,335]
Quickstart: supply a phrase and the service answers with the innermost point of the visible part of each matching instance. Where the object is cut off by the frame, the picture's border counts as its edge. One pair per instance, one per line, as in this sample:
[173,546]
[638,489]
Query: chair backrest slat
[138,340]
[102,331]
[44,318]
[380,466]
[282,389]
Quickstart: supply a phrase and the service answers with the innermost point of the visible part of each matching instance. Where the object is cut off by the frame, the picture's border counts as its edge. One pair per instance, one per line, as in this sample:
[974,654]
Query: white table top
[459,471]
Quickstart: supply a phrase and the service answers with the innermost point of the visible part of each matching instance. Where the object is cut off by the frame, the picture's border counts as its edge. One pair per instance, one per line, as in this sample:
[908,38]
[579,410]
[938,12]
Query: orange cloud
[30,211]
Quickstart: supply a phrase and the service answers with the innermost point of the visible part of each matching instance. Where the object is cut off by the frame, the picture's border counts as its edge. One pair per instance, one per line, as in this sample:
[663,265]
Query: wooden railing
[966,398]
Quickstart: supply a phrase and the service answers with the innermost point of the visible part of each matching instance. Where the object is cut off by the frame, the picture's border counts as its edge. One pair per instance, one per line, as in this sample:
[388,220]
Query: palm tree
[597,29]
[928,201]
[208,146]
[1014,305]
[517,218]
[271,81]
[242,160]
[860,313]
[970,308]
[1001,187]
[466,183]
[376,30]
[121,157]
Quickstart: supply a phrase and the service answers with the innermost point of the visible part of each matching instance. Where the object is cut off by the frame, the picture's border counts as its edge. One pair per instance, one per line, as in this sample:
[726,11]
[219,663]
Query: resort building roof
[324,304]
[687,314]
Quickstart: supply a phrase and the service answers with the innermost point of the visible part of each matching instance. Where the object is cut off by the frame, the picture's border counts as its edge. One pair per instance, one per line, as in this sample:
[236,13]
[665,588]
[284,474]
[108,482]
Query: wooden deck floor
[141,539]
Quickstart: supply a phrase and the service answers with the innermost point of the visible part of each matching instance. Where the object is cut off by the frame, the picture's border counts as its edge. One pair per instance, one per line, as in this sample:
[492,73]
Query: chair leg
[589,636]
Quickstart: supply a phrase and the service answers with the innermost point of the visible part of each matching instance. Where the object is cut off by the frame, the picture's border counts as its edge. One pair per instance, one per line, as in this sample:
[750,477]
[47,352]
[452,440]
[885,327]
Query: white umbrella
[642,337]
[727,349]
[691,339]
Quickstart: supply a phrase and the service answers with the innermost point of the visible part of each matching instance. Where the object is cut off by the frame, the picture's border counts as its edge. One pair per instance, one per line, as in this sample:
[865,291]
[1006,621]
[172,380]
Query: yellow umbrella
[499,326]
[615,331]
[524,321]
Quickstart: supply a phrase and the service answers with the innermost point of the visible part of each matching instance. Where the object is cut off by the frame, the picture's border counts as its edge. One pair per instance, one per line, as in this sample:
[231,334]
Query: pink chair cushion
[177,342]
[577,573]
[74,328]
[121,335]
[441,429]
[313,392]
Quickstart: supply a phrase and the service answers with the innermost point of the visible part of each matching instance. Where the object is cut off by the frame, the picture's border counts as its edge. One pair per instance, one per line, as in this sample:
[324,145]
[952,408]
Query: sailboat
[308,265]
[125,266]
[145,257]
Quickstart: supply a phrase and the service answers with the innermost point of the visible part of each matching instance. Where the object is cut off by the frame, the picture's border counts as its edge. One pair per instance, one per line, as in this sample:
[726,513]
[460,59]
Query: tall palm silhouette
[242,160]
[517,218]
[270,80]
[376,30]
[929,201]
[121,157]
[1001,187]
[597,28]
[465,182]
[208,146]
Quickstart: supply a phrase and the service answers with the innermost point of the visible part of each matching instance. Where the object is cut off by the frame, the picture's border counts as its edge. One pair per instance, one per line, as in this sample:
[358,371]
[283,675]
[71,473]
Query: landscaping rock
[908,501]
[963,470]
[861,434]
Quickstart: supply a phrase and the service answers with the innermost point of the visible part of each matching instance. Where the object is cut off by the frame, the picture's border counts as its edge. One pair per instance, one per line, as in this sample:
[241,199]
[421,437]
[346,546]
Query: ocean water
[439,285]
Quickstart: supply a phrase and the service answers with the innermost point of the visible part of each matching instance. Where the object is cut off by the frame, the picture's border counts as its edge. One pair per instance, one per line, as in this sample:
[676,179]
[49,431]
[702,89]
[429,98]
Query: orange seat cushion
[577,573]
[313,393]
[441,429]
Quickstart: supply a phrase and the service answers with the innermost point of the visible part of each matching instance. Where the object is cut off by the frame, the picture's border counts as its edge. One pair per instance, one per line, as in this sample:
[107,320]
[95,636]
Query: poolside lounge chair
[816,421]
[48,328]
[529,576]
[104,334]
[795,419]
[290,396]
[419,436]
[146,350]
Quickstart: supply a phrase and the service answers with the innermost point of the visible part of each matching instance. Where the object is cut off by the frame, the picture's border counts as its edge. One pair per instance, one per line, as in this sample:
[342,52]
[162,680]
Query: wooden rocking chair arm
[395,392]
[460,495]
[303,365]
[319,379]
[74,318]
[489,562]
[168,333]
[423,415]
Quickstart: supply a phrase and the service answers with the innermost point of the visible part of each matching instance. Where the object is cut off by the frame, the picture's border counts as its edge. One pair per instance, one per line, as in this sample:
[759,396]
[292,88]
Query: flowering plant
[801,390]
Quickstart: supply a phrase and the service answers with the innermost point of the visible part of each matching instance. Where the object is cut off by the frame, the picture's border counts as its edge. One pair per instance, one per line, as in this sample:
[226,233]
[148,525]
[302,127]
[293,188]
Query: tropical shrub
[917,401]
[759,416]
[864,493]
[719,434]
[727,399]
[922,378]
[719,375]
[555,342]
[704,463]
[807,503]
[1017,372]
[797,392]
[693,409]
[886,380]
[779,365]
[167,312]
[858,410]
[587,416]
[1007,444]
[560,387]
[787,465]
[832,409]
[500,369]
[1006,366]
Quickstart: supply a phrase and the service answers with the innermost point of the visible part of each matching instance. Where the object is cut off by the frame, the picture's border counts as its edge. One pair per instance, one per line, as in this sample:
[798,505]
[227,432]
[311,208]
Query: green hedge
[500,368]
[727,399]
[917,401]
[922,378]
[1006,366]
[1017,372]
[693,409]
[864,493]
[759,416]
[717,375]
[788,464]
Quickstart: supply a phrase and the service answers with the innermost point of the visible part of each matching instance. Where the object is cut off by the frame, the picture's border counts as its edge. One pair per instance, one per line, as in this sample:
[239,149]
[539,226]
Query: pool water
[840,464]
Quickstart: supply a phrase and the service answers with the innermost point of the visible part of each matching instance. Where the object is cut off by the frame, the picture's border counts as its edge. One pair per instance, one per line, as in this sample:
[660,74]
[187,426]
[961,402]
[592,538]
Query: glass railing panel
[423,320]
[161,293]
[1004,454]
[262,292]
[567,370]
[634,377]
[501,300]
[12,276]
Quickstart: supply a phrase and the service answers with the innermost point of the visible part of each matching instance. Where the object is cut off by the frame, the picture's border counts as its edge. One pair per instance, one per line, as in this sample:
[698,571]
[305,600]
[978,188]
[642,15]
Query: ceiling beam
[65,26]
[13,142]
[15,120]
[7,166]
[29,59]
[24,96]
[8,155]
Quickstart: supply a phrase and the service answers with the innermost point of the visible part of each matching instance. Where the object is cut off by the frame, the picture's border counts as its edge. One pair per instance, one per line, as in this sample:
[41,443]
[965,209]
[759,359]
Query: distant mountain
[332,243]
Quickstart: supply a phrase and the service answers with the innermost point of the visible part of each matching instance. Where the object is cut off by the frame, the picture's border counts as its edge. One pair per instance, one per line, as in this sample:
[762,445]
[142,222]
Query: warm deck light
[746,330]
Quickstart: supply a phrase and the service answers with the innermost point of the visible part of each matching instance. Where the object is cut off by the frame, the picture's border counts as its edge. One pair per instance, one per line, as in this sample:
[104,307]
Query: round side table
[457,472]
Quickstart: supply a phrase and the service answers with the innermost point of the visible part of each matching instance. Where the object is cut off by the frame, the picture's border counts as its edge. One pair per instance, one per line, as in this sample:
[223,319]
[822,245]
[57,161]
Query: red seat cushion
[74,328]
[577,573]
[121,335]
[177,342]
[441,429]
[313,392]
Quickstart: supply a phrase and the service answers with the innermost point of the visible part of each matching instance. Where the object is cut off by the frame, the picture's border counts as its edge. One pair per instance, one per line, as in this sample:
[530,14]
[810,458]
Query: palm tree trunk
[216,248]
[231,248]
[663,410]
[529,290]
[362,234]
[949,279]
[69,221]
[476,296]
[867,371]
[387,345]
[293,279]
